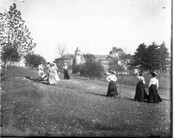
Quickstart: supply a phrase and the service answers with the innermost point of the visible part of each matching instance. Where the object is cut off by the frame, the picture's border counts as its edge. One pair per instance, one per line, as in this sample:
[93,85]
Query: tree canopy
[33,60]
[14,34]
[119,59]
[152,57]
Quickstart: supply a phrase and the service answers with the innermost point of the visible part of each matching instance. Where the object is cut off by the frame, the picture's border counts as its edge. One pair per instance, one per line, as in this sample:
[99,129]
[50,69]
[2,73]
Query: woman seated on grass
[140,94]
[112,88]
[42,75]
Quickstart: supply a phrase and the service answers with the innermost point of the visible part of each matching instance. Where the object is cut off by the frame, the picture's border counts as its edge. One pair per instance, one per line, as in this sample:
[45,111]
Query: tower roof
[77,49]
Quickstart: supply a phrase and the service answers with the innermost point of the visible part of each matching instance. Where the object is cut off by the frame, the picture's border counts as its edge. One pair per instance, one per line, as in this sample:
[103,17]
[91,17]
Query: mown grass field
[79,107]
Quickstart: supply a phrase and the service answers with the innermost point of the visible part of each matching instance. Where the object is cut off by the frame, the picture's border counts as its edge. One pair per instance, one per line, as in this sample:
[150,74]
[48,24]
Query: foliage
[119,59]
[163,57]
[91,67]
[89,57]
[9,53]
[61,49]
[76,68]
[14,34]
[152,57]
[94,69]
[116,67]
[33,60]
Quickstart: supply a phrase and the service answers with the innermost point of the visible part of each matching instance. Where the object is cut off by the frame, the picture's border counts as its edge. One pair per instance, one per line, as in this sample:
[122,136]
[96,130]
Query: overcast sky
[95,26]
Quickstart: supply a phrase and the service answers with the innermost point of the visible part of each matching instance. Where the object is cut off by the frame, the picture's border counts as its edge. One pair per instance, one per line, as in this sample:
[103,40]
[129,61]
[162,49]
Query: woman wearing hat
[112,88]
[140,94]
[153,89]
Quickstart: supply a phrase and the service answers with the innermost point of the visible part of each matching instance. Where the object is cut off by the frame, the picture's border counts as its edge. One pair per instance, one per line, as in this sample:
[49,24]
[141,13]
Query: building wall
[77,59]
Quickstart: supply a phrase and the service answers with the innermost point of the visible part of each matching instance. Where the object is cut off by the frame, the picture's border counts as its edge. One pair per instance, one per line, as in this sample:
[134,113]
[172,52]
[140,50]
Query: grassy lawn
[79,107]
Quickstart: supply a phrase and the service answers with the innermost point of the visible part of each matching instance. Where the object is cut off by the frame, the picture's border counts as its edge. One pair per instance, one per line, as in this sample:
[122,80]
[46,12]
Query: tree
[119,59]
[33,60]
[61,50]
[94,69]
[152,62]
[140,57]
[9,53]
[89,57]
[152,57]
[14,33]
[163,57]
[91,68]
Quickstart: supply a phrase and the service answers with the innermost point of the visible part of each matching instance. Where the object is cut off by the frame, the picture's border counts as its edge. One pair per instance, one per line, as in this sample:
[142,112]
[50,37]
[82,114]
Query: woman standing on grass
[55,69]
[112,88]
[53,76]
[153,89]
[140,94]
[66,74]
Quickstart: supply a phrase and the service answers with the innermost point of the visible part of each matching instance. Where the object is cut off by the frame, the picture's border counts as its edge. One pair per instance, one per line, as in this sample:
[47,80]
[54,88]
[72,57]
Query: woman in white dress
[53,76]
[55,70]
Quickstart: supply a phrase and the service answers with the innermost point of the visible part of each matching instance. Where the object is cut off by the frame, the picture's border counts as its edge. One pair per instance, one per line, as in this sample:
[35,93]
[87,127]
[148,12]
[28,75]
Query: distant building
[77,59]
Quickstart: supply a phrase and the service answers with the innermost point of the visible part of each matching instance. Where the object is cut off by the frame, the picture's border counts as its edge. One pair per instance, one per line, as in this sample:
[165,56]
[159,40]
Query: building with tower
[77,59]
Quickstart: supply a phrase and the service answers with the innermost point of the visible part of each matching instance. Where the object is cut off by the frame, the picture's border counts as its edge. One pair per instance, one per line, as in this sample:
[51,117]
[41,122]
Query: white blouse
[154,81]
[141,78]
[111,78]
[40,67]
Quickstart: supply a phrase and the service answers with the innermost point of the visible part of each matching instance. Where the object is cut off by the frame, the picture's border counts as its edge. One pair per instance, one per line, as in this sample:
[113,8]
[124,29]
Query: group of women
[140,94]
[50,73]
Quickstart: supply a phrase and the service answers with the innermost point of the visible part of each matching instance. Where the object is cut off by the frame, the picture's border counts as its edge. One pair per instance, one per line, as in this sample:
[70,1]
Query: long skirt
[153,95]
[66,74]
[140,94]
[52,79]
[56,76]
[112,89]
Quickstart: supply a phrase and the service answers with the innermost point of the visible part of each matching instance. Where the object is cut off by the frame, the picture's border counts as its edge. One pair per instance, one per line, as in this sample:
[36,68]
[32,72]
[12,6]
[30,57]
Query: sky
[95,26]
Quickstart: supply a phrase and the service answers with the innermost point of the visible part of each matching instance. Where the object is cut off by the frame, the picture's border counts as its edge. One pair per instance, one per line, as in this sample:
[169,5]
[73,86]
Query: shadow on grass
[104,95]
[96,94]
[146,101]
[36,80]
[165,99]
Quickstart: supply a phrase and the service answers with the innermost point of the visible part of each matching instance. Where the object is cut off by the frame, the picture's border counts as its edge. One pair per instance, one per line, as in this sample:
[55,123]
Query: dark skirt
[112,89]
[66,74]
[140,94]
[153,95]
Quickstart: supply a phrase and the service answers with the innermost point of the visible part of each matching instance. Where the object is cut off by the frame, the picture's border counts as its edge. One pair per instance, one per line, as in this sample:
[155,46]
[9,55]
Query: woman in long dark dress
[153,89]
[140,94]
[112,88]
[66,74]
